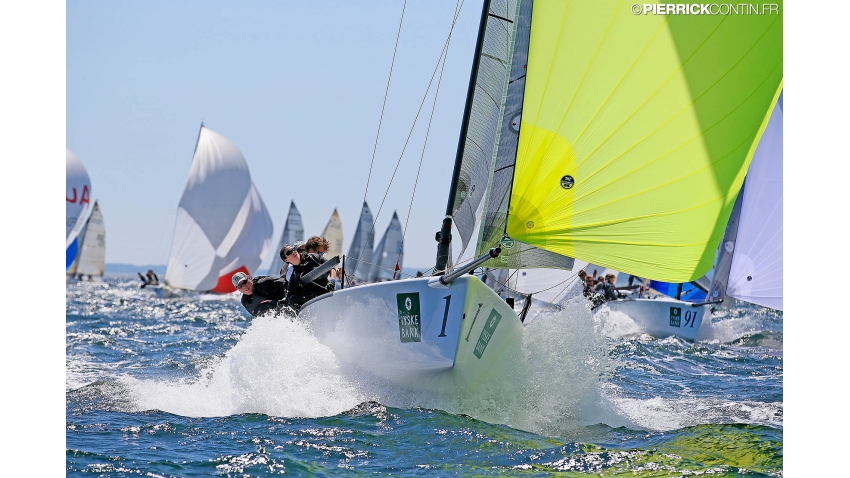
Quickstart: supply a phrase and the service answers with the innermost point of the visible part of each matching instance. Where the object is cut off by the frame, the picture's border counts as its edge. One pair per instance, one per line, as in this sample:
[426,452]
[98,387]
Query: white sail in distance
[293,230]
[91,255]
[360,250]
[222,224]
[390,251]
[333,234]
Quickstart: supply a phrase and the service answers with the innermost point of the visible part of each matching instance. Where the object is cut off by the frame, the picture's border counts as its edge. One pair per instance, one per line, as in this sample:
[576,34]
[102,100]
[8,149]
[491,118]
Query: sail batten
[637,132]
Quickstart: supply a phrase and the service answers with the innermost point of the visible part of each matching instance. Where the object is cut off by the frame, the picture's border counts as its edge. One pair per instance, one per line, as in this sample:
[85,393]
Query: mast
[444,236]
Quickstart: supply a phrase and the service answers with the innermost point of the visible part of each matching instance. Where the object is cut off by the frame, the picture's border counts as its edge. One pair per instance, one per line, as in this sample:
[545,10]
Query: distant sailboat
[91,253]
[389,255]
[77,204]
[293,231]
[333,234]
[222,224]
[360,251]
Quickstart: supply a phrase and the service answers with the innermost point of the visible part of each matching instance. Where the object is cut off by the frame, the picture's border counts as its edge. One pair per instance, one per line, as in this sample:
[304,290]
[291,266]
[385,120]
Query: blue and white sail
[91,253]
[77,204]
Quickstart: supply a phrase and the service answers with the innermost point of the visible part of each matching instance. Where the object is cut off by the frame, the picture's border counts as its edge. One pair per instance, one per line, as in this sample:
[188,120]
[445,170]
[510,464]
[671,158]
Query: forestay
[293,231]
[637,131]
[222,224]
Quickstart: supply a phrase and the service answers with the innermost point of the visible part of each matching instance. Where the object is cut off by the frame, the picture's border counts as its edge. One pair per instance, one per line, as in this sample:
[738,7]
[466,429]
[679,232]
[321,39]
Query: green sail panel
[637,131]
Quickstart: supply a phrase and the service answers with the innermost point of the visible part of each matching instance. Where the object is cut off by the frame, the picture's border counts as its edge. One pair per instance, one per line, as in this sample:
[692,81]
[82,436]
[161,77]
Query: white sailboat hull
[419,332]
[664,317]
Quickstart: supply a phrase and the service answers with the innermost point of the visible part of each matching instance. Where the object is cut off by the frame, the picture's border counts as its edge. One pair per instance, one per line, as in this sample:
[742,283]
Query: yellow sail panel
[637,130]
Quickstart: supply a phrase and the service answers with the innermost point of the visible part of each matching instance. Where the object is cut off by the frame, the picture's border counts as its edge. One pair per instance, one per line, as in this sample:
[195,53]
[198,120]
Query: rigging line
[415,119]
[428,129]
[383,106]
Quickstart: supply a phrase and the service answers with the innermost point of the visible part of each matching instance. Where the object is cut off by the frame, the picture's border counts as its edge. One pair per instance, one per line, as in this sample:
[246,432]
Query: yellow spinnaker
[637,131]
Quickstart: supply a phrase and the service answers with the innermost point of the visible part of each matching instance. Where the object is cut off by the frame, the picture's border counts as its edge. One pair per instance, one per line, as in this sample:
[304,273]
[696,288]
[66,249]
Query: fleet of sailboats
[222,224]
[632,142]
[647,145]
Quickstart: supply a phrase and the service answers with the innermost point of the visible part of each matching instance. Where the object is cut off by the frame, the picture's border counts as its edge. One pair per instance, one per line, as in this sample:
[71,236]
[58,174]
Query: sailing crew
[609,291]
[319,245]
[302,263]
[590,293]
[299,246]
[148,279]
[260,294]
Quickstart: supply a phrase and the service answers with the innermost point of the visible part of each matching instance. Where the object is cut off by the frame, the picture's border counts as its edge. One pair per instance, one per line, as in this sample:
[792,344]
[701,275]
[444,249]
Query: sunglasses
[291,251]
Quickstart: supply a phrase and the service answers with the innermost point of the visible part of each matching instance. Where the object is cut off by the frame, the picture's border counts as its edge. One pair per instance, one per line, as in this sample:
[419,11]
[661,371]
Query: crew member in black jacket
[302,263]
[261,293]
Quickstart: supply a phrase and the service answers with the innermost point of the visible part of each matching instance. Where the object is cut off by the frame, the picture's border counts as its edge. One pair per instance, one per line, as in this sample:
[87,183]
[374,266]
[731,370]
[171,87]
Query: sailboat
[91,253]
[333,234]
[388,258]
[749,263]
[632,140]
[357,265]
[222,224]
[293,231]
[77,204]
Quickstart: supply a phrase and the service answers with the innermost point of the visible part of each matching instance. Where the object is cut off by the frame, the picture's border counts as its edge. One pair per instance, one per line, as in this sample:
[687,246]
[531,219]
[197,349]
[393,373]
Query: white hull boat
[663,316]
[419,329]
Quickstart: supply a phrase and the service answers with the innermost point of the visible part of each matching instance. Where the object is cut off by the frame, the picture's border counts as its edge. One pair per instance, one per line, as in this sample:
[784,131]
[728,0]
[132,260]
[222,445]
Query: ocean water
[194,387]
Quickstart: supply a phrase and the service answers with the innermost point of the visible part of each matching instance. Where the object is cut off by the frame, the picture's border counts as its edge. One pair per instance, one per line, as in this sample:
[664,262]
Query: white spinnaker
[756,274]
[389,252]
[222,224]
[92,256]
[333,233]
[293,230]
[77,196]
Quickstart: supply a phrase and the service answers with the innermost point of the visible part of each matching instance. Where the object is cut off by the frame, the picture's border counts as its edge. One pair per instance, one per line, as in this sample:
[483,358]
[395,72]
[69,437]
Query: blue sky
[297,86]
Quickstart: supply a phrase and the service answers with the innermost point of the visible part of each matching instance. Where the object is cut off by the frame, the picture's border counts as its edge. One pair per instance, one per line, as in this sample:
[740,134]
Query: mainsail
[637,131]
[360,250]
[91,254]
[750,263]
[333,234]
[77,203]
[293,231]
[222,224]
[388,254]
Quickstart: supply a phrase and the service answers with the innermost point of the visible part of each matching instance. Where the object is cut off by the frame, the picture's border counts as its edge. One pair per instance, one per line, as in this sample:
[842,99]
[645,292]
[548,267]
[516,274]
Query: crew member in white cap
[261,293]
